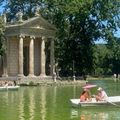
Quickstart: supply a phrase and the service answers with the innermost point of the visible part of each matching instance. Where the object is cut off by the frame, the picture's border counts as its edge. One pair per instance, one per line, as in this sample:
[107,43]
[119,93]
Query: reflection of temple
[43,103]
[93,115]
[30,48]
[74,114]
[88,114]
[32,104]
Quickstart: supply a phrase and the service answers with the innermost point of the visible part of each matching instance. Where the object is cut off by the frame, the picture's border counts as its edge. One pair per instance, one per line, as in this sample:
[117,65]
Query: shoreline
[51,83]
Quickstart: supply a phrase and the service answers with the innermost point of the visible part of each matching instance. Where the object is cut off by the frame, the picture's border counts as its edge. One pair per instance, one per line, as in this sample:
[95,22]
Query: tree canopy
[80,24]
[2,37]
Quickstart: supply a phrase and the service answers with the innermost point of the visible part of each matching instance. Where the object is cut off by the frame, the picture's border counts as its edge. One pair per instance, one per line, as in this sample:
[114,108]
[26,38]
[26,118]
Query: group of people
[86,95]
[4,83]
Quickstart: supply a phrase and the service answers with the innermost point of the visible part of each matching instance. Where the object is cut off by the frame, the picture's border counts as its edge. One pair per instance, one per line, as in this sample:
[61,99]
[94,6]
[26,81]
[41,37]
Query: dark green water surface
[52,103]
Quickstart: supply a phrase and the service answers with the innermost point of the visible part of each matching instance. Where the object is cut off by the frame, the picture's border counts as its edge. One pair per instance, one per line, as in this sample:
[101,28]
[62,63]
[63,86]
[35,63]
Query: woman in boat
[101,95]
[85,96]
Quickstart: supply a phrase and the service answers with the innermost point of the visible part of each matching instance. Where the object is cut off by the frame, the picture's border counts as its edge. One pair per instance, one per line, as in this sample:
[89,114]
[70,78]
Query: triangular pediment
[36,26]
[38,22]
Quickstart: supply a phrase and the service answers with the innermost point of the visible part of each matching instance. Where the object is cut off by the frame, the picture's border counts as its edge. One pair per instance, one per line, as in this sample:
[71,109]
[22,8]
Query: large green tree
[80,24]
[113,58]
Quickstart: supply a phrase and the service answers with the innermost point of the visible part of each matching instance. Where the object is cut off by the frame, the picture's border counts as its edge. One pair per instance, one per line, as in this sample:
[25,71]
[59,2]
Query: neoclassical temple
[30,48]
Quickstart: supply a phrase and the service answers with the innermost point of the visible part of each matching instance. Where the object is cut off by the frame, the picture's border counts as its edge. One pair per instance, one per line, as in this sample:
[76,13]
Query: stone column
[31,56]
[52,58]
[5,74]
[42,57]
[20,58]
[5,71]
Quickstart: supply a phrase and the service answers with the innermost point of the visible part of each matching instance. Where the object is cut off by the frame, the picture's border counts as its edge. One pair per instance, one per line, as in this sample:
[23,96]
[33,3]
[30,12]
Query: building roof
[36,26]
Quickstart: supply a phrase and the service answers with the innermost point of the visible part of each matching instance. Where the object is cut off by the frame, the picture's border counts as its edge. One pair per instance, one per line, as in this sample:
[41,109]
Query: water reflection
[52,103]
[74,113]
[43,103]
[88,115]
[93,115]
[21,108]
[74,91]
[32,105]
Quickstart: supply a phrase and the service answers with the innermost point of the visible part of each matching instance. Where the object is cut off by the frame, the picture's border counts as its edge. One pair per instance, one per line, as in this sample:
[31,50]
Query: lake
[52,103]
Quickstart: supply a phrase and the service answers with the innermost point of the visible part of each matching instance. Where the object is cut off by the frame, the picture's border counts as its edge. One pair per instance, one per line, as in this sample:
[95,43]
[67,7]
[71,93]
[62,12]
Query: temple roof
[36,26]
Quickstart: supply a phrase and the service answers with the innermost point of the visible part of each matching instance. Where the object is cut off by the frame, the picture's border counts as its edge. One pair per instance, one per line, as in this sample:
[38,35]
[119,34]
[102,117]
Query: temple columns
[4,66]
[52,59]
[5,72]
[42,57]
[31,57]
[20,57]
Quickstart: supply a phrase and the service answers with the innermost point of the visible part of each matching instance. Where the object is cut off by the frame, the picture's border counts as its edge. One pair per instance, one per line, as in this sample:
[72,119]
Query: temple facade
[30,49]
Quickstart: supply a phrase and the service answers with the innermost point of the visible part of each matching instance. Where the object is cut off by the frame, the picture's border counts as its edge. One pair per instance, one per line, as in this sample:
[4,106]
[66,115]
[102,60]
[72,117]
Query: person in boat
[85,96]
[102,95]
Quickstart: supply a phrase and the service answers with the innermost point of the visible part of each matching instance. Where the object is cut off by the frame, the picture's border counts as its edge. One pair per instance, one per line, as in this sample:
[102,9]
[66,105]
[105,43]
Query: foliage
[113,58]
[107,58]
[100,65]
[27,7]
[2,37]
[80,24]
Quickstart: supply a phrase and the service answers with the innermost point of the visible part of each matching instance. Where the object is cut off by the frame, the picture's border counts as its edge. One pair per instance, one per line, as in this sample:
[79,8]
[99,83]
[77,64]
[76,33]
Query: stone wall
[13,57]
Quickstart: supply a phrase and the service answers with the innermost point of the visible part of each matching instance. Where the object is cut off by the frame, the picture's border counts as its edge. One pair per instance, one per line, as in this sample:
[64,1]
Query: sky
[1,7]
[117,34]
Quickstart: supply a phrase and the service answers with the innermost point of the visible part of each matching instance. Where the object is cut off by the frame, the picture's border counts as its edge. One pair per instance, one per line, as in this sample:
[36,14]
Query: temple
[30,49]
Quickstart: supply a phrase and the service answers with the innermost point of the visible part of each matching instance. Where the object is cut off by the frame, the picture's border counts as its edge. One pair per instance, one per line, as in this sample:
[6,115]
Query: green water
[52,103]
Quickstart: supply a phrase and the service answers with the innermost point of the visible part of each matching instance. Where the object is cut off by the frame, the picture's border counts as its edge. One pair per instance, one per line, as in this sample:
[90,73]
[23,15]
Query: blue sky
[117,34]
[1,7]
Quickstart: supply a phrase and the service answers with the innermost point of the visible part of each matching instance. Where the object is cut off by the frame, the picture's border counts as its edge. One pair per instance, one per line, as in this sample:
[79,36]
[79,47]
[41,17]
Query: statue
[37,9]
[19,16]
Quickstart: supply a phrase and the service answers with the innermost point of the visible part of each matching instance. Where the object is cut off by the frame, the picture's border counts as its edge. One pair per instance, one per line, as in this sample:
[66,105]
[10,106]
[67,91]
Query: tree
[113,58]
[2,29]
[2,37]
[100,60]
[80,24]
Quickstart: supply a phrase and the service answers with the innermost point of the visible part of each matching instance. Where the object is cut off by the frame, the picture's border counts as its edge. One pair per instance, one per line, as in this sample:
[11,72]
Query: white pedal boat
[9,87]
[112,100]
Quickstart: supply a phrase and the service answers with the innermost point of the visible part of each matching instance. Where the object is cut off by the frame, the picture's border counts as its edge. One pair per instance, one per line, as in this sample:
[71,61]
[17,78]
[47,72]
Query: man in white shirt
[101,95]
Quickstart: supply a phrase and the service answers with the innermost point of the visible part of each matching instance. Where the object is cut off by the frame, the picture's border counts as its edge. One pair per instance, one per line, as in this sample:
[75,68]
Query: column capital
[52,38]
[44,38]
[32,37]
[21,36]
